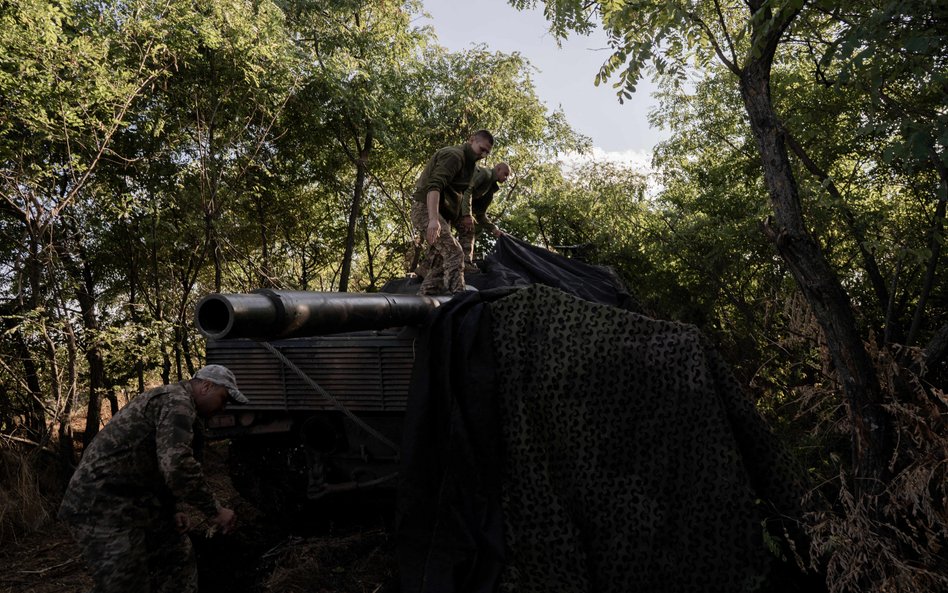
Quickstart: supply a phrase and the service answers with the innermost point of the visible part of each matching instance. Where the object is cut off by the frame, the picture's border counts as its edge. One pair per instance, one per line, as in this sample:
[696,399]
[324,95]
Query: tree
[198,144]
[892,53]
[70,75]
[751,41]
[362,51]
[98,155]
[745,38]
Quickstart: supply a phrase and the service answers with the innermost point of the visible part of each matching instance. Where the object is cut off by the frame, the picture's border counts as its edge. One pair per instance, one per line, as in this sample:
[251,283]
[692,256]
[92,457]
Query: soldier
[122,502]
[437,200]
[484,183]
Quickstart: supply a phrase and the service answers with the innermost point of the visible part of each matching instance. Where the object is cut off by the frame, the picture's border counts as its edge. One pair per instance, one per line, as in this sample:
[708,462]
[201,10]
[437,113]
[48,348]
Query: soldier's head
[501,172]
[482,142]
[212,387]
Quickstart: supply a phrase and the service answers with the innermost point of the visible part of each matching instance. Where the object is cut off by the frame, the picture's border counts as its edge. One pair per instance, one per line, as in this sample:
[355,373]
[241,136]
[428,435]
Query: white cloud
[637,160]
[640,160]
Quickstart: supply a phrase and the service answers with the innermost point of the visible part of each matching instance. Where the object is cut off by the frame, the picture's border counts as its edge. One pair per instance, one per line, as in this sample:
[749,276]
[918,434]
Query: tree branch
[869,261]
[731,65]
[727,37]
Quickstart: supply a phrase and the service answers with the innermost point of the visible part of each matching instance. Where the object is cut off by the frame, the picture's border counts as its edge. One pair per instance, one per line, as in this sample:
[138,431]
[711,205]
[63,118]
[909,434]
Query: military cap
[220,375]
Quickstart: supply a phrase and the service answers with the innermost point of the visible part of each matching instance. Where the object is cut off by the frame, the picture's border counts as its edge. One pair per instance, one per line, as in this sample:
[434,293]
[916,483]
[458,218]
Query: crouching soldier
[122,504]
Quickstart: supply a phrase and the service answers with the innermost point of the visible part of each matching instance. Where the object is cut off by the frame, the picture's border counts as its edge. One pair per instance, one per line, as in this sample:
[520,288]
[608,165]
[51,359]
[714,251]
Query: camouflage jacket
[448,171]
[141,464]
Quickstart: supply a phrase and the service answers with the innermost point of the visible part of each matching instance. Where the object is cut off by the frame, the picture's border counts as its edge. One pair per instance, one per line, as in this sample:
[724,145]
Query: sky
[565,76]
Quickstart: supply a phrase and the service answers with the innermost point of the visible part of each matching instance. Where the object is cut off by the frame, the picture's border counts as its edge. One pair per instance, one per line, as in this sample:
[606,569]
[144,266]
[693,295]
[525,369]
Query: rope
[361,423]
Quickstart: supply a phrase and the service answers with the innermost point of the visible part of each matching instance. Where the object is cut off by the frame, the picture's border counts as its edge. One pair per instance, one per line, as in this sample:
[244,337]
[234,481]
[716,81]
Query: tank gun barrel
[279,314]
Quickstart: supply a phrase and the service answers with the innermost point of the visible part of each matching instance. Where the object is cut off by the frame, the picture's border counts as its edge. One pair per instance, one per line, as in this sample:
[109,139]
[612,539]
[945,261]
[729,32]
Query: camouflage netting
[558,444]
[622,470]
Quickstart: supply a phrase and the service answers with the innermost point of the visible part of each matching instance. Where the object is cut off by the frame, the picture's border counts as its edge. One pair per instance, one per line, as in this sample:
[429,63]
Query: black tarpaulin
[450,523]
[513,262]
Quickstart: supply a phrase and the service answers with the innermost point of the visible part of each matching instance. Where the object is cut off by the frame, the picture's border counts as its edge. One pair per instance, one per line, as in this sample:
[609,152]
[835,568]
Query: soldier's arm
[480,213]
[182,472]
[432,201]
[447,165]
[467,197]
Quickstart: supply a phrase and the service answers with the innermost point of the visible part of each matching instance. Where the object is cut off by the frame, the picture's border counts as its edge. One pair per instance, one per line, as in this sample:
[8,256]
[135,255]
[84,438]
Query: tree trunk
[77,265]
[362,165]
[937,348]
[186,352]
[213,246]
[165,365]
[370,260]
[85,296]
[819,284]
[134,314]
[936,237]
[67,449]
[176,348]
[159,306]
[35,415]
[265,276]
[869,261]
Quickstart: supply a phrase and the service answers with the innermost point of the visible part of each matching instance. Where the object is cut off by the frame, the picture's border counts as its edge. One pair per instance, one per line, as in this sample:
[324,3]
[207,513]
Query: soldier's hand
[226,520]
[434,229]
[182,522]
[466,223]
[497,232]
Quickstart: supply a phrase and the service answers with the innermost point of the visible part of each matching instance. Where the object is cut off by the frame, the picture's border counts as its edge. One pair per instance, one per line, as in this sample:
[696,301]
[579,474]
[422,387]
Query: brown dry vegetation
[36,553]
[893,539]
[359,562]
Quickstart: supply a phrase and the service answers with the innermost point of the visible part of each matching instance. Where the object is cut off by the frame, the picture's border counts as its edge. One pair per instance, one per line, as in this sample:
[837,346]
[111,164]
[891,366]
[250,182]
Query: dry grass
[890,539]
[31,483]
[359,563]
[26,502]
[893,541]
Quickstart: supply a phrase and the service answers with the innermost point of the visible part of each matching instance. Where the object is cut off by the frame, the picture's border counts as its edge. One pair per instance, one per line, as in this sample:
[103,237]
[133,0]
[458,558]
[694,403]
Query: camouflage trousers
[444,260]
[152,559]
[466,240]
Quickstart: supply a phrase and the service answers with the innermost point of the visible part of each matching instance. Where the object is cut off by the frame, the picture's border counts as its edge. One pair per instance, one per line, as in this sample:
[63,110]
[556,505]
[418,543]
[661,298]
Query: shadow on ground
[342,543]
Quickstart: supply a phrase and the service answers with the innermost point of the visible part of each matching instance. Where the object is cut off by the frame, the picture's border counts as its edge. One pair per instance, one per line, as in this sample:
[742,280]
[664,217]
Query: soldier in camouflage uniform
[480,193]
[122,502]
[437,200]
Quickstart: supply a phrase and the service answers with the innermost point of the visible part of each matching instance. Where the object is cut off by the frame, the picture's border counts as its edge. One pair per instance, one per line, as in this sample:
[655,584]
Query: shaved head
[502,171]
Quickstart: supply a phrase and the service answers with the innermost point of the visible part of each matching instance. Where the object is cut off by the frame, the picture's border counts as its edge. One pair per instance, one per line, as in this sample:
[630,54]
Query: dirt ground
[46,562]
[342,545]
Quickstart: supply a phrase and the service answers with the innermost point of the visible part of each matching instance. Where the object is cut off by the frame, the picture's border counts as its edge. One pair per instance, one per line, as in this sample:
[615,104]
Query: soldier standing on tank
[484,184]
[122,504]
[437,200]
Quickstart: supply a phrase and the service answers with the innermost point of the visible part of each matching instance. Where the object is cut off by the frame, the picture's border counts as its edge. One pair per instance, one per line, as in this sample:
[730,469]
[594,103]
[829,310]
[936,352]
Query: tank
[327,378]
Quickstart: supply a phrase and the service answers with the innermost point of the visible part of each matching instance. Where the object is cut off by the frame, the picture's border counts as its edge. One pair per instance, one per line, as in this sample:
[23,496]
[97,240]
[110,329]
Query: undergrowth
[28,492]
[891,539]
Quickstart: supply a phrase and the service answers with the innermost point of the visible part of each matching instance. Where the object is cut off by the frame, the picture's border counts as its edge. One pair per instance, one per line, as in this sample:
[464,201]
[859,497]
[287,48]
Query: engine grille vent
[368,373]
